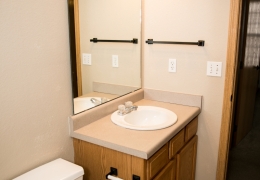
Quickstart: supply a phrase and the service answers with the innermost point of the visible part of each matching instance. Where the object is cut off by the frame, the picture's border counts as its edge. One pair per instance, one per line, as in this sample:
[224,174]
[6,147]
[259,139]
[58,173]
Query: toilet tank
[58,169]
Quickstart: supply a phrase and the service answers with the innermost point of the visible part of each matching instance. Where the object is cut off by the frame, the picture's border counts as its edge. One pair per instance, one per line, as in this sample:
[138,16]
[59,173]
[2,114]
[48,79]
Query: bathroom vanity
[168,153]
[174,160]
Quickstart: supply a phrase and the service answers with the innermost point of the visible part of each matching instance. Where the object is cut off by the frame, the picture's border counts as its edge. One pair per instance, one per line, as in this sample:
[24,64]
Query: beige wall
[35,75]
[185,20]
[35,93]
[115,20]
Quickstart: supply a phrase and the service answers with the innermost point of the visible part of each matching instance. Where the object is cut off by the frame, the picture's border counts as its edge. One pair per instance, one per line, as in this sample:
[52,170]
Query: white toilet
[58,169]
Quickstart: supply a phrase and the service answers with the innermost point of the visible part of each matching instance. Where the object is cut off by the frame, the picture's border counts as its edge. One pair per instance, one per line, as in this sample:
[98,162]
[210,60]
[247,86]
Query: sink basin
[146,118]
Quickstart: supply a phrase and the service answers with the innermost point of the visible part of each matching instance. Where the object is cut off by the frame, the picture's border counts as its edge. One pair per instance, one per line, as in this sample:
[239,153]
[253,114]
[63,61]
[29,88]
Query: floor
[244,159]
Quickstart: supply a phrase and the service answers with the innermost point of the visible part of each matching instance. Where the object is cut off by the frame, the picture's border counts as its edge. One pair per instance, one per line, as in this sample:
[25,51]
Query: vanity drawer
[191,129]
[169,172]
[157,161]
[176,143]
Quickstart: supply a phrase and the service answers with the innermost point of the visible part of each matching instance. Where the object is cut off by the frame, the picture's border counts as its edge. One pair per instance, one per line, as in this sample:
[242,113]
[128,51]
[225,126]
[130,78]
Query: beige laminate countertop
[142,144]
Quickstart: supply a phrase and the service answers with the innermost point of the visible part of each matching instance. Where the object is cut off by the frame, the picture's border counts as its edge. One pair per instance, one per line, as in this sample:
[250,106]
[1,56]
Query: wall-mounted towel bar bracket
[199,43]
[134,41]
[135,177]
[113,171]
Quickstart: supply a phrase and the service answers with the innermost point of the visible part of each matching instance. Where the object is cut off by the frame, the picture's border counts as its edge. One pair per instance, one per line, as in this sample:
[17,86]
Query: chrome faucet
[127,108]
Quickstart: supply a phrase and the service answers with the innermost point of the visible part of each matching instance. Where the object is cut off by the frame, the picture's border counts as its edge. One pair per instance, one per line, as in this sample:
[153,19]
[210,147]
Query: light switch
[214,68]
[86,59]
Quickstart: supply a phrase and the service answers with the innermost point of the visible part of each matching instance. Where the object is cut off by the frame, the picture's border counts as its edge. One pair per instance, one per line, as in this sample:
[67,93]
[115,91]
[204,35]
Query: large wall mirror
[105,39]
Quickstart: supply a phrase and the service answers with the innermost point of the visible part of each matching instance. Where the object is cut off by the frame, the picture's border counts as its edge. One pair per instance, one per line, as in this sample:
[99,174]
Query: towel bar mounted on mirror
[199,43]
[134,41]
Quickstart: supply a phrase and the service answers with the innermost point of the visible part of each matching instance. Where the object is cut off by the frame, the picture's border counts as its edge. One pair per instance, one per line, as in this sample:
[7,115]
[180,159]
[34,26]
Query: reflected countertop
[83,103]
[99,94]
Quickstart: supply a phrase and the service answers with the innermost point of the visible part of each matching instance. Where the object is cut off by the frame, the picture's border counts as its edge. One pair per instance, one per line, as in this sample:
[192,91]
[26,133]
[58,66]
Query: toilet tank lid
[58,169]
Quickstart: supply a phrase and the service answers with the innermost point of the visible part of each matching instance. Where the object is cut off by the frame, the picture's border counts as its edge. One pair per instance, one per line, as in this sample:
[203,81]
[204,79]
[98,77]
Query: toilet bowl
[58,169]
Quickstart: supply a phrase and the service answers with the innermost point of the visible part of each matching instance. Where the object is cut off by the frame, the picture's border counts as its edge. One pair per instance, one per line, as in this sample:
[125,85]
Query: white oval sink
[146,118]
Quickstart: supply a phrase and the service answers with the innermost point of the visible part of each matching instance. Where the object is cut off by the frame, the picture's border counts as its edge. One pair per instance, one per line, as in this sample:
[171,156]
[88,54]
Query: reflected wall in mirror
[103,71]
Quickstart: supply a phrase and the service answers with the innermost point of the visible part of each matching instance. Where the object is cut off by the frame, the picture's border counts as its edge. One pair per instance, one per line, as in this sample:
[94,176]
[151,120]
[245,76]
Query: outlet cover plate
[172,65]
[115,61]
[214,68]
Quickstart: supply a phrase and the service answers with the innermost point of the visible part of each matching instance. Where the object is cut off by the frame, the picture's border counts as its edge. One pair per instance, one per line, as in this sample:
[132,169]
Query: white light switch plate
[214,68]
[86,59]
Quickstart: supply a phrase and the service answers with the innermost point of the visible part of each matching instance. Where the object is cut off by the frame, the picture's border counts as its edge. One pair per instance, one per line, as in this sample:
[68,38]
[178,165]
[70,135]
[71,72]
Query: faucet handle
[121,108]
[103,99]
[128,104]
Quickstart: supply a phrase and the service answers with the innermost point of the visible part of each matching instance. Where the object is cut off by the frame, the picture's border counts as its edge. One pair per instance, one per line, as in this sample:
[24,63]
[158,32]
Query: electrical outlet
[86,59]
[115,61]
[214,68]
[172,65]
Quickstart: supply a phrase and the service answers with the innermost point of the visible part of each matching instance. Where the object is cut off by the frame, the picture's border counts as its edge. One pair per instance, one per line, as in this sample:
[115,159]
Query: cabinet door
[97,160]
[169,172]
[186,161]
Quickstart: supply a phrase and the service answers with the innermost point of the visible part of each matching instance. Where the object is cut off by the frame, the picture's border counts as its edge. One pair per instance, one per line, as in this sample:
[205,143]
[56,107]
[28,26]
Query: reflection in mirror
[102,71]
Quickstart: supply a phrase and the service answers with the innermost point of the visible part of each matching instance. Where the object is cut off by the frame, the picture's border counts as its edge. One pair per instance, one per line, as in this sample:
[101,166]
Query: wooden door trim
[229,89]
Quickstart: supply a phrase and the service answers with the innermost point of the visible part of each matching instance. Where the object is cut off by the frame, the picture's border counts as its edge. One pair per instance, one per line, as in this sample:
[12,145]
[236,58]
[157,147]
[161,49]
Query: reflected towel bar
[134,41]
[199,43]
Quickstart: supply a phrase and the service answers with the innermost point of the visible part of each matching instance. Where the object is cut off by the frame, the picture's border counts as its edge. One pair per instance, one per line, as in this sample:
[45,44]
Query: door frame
[229,87]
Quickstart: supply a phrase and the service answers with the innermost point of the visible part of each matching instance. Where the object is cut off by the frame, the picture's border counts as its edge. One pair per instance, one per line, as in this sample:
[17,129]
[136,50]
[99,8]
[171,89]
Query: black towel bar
[199,43]
[134,41]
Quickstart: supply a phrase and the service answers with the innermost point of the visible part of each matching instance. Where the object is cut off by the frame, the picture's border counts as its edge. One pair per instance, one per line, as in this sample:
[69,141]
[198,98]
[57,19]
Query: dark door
[248,70]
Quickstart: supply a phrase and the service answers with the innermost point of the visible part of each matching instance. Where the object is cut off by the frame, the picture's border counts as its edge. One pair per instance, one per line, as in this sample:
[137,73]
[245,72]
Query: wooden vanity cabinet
[186,160]
[176,160]
[157,161]
[169,172]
